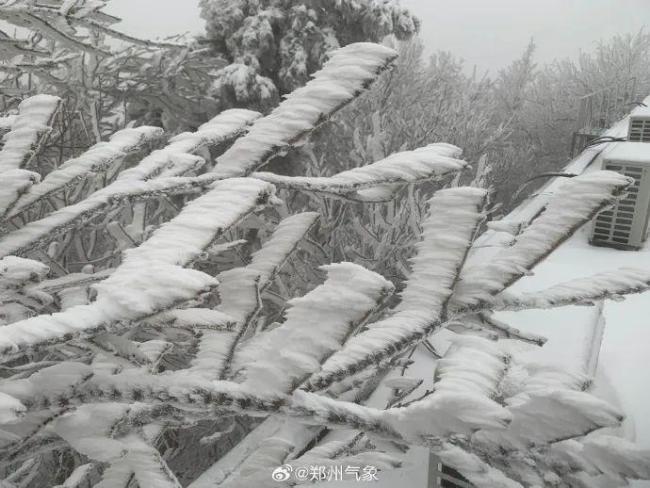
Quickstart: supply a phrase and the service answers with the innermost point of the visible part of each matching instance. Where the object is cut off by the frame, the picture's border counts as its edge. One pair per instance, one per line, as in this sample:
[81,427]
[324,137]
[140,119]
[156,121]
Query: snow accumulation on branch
[29,130]
[237,286]
[465,388]
[550,411]
[129,183]
[582,291]
[18,297]
[462,401]
[573,205]
[448,231]
[314,329]
[7,122]
[473,468]
[221,129]
[32,125]
[89,430]
[239,289]
[429,162]
[485,322]
[347,73]
[98,158]
[151,277]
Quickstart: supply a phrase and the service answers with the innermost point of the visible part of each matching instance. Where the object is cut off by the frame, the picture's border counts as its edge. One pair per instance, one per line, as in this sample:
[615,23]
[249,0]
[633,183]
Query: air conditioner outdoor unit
[625,226]
[639,128]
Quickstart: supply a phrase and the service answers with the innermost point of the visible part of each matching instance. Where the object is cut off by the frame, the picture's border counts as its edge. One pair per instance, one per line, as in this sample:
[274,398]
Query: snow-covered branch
[426,163]
[151,277]
[448,231]
[137,181]
[240,290]
[573,205]
[29,130]
[613,285]
[346,74]
[97,159]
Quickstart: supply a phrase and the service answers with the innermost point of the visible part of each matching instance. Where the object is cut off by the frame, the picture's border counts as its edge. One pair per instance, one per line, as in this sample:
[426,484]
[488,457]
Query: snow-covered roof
[641,111]
[635,152]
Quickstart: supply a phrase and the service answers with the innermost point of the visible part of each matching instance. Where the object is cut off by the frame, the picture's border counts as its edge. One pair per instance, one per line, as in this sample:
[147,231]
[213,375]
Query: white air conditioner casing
[639,128]
[625,226]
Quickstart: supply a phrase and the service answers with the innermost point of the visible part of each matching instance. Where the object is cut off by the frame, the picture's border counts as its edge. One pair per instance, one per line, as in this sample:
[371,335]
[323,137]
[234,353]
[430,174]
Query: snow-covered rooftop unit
[639,128]
[625,226]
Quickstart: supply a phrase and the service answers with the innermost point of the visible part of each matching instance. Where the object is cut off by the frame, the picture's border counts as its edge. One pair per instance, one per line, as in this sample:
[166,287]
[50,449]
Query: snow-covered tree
[73,49]
[274,45]
[153,315]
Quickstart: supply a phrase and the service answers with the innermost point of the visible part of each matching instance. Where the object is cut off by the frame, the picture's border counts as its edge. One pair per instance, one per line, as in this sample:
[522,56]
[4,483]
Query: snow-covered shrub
[140,341]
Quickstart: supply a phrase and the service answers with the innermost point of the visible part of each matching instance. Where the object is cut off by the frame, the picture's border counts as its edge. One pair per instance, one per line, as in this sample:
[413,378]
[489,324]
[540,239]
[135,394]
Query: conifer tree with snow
[273,46]
[167,322]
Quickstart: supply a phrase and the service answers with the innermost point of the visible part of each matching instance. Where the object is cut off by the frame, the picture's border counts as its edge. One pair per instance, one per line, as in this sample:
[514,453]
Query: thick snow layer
[98,158]
[467,380]
[15,182]
[32,123]
[7,121]
[433,161]
[313,329]
[151,277]
[195,318]
[454,215]
[15,271]
[10,409]
[40,232]
[636,152]
[222,128]
[348,71]
[573,205]
[581,291]
[137,180]
[239,289]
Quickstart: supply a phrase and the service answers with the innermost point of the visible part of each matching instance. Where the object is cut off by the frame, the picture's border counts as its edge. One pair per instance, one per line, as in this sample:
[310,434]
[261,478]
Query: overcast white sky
[486,33]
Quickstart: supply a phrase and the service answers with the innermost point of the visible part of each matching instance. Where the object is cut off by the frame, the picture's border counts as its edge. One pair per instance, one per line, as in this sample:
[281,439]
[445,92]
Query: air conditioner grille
[639,130]
[621,225]
[617,224]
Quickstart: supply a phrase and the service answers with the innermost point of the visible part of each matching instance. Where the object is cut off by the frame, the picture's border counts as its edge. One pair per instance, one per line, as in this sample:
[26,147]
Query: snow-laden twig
[612,285]
[32,125]
[219,130]
[79,477]
[130,183]
[347,73]
[29,130]
[313,329]
[425,163]
[573,205]
[96,159]
[151,277]
[454,216]
[240,288]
